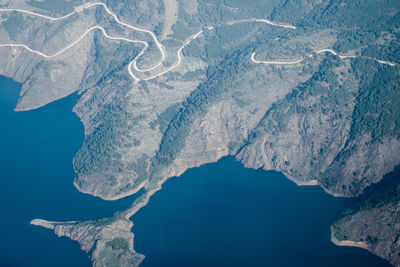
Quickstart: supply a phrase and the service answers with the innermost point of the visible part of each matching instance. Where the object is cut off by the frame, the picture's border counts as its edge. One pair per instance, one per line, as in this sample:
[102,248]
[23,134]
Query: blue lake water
[36,181]
[222,214]
[218,214]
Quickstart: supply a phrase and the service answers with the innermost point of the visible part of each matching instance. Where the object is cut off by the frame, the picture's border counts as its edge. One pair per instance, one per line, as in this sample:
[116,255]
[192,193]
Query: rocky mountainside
[308,88]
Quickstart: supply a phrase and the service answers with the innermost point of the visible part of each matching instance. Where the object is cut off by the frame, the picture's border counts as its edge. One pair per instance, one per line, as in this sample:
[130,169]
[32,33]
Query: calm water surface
[222,214]
[36,176]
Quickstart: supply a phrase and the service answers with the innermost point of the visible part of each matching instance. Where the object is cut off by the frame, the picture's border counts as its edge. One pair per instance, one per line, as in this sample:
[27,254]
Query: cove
[222,214]
[36,181]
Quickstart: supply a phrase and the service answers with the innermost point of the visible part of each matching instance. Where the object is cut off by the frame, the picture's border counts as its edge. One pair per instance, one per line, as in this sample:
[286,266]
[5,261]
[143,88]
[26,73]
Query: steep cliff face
[308,88]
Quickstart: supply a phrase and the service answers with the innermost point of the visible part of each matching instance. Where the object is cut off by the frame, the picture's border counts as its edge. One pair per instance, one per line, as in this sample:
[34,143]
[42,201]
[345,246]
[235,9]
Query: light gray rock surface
[330,120]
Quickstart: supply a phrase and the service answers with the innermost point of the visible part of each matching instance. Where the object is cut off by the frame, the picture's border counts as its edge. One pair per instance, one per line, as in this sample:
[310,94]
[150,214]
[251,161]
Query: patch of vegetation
[140,167]
[377,195]
[118,243]
[100,153]
[111,58]
[359,22]
[371,240]
[352,39]
[165,117]
[150,11]
[13,24]
[377,111]
[220,78]
[389,51]
[217,12]
[56,6]
[110,257]
[323,83]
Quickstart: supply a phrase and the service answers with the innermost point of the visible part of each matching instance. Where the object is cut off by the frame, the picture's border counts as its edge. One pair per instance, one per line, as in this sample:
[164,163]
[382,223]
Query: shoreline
[160,183]
[304,183]
[118,197]
[148,195]
[142,202]
[36,107]
[48,224]
[346,243]
[173,174]
[311,183]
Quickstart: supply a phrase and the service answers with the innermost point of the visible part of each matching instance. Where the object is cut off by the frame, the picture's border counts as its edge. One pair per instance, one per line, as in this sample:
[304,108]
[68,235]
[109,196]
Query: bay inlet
[36,181]
[220,214]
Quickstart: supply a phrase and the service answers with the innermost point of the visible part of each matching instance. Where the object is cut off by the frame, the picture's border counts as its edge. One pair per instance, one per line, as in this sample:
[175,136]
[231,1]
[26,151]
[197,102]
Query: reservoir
[223,214]
[36,181]
[220,214]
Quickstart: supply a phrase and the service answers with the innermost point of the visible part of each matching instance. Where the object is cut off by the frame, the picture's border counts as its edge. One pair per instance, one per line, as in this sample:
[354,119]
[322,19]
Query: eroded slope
[308,88]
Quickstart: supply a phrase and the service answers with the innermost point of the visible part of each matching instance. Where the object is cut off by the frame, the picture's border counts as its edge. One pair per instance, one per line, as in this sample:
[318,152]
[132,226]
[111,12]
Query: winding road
[317,52]
[133,63]
[81,8]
